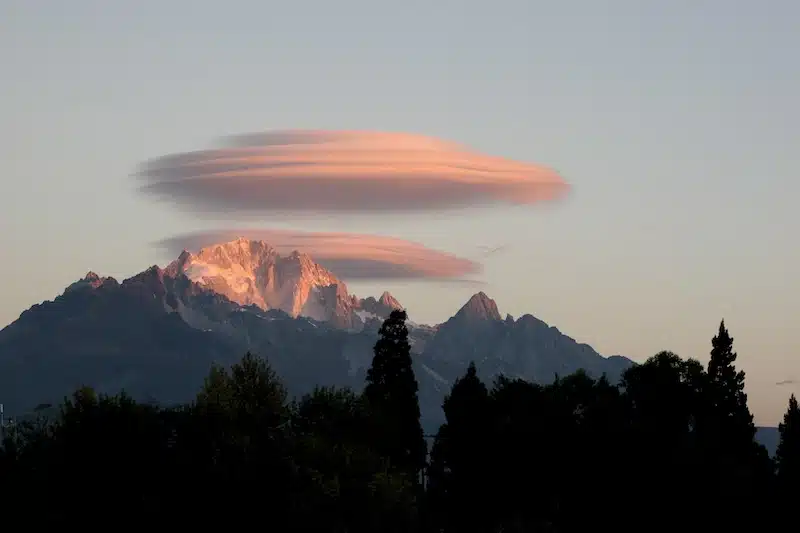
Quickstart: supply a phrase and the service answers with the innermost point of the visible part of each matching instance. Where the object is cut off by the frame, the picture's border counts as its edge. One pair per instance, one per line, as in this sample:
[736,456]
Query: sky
[671,121]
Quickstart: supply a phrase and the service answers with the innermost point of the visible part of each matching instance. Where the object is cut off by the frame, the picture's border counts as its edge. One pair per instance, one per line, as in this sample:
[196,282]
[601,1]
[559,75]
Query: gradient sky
[673,121]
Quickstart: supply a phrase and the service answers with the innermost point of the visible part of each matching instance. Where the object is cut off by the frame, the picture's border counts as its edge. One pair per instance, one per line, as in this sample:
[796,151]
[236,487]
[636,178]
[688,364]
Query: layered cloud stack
[311,171]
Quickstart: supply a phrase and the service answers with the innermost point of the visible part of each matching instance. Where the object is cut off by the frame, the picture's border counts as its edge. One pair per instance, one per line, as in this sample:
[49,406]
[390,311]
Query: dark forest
[670,447]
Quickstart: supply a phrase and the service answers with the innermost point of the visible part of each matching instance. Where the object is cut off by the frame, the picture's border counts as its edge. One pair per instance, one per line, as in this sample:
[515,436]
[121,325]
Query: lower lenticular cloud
[312,171]
[350,256]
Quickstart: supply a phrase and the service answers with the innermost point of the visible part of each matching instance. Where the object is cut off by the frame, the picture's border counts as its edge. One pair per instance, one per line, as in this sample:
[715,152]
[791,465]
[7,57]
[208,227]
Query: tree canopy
[670,446]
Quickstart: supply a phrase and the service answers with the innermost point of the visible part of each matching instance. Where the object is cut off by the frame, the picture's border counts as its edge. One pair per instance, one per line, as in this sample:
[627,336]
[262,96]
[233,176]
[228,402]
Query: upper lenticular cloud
[317,171]
[350,256]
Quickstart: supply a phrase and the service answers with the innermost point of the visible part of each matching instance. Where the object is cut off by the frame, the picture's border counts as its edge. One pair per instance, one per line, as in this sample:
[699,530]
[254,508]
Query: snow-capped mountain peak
[254,273]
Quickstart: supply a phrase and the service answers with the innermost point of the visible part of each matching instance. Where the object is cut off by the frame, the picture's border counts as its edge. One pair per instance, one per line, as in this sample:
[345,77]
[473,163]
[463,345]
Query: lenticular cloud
[329,171]
[350,256]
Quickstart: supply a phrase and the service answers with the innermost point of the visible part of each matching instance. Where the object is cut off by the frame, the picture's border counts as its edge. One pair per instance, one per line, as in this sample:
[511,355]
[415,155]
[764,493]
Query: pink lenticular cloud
[351,256]
[344,171]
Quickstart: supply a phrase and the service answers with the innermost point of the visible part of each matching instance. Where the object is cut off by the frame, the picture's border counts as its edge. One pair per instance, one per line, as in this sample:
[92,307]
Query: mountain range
[157,333]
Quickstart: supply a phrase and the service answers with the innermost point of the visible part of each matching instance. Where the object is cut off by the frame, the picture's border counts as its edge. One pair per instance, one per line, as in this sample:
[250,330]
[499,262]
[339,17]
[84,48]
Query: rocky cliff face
[253,273]
[91,281]
[526,347]
[479,308]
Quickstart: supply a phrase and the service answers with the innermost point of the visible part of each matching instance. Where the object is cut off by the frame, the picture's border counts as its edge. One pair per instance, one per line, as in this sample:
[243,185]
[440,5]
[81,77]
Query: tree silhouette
[588,429]
[664,402]
[392,393]
[233,438]
[787,457]
[737,468]
[523,497]
[97,442]
[728,398]
[348,485]
[251,388]
[461,467]
[573,455]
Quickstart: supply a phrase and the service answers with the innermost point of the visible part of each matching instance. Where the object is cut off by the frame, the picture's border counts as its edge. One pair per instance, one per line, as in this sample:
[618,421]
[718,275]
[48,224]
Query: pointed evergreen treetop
[727,395]
[391,366]
[467,402]
[788,453]
[722,355]
[721,369]
[391,392]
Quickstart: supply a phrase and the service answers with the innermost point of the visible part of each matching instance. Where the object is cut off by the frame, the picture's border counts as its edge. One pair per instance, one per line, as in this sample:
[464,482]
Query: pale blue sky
[674,122]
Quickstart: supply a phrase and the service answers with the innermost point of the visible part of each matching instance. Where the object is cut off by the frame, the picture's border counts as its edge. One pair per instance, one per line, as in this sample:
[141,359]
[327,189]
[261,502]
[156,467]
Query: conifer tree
[727,396]
[788,454]
[461,467]
[391,392]
[735,464]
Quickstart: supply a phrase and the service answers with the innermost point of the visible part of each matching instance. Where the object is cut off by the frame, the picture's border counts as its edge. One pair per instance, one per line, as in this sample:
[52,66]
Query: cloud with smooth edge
[351,256]
[311,171]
